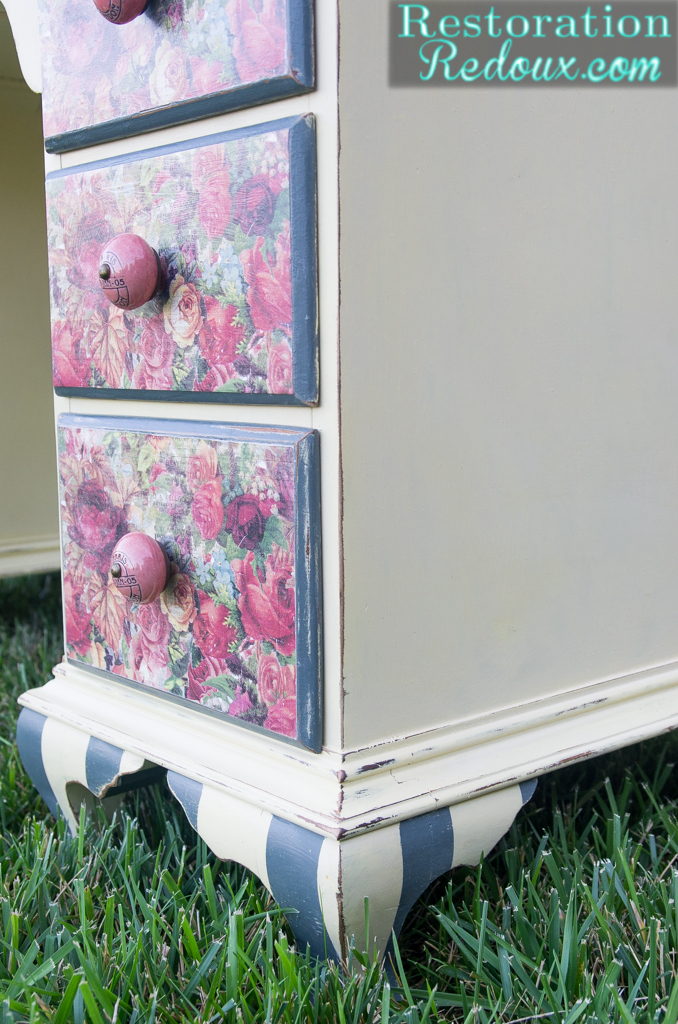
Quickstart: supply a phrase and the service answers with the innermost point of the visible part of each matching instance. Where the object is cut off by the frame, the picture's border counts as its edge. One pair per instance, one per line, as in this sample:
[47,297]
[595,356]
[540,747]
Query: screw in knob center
[104,271]
[116,570]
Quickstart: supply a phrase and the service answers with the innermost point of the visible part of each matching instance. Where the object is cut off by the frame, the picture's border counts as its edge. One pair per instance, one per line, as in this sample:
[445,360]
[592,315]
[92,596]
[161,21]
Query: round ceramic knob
[140,568]
[121,11]
[129,271]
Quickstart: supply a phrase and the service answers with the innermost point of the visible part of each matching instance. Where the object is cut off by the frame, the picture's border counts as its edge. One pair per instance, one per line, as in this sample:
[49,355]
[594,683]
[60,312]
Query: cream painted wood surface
[509,354]
[28,499]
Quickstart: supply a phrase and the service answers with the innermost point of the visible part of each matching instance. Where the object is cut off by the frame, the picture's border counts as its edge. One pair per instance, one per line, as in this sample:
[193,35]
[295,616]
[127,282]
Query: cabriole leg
[68,767]
[327,881]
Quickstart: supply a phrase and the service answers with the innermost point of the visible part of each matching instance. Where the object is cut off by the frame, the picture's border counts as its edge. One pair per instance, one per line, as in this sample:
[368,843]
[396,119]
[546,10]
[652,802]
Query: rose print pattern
[218,216]
[181,50]
[222,634]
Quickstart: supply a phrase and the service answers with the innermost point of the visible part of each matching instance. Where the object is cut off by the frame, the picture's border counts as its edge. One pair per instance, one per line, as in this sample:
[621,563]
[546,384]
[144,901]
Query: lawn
[573,917]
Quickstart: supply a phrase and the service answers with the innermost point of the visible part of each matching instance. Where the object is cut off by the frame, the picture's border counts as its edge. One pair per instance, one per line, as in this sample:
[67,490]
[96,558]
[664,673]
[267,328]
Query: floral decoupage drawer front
[237,627]
[232,219]
[179,60]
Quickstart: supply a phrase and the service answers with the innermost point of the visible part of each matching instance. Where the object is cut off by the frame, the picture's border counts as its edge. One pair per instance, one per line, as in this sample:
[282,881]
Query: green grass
[573,917]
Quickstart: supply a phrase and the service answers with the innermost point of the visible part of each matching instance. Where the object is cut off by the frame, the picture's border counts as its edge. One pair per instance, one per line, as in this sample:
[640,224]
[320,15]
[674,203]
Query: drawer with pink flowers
[115,68]
[191,565]
[188,272]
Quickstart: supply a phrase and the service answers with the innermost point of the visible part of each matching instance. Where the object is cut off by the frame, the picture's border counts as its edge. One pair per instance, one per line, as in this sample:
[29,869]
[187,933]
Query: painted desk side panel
[29,533]
[508,372]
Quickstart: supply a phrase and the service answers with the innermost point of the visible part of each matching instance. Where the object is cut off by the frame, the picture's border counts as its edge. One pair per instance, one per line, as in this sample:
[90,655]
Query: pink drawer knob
[121,11]
[140,568]
[129,271]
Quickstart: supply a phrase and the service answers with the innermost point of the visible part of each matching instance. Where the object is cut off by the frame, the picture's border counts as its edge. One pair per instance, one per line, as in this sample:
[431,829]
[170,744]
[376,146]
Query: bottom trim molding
[346,794]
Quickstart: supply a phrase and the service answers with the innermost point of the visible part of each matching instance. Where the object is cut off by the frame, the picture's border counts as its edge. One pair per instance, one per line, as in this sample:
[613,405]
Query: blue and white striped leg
[326,881]
[68,767]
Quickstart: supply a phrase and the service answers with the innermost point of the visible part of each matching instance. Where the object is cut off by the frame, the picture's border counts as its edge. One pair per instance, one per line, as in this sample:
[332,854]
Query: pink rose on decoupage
[205,162]
[269,293]
[279,369]
[156,348]
[150,660]
[267,607]
[153,623]
[282,717]
[275,681]
[78,617]
[220,336]
[216,377]
[182,312]
[178,603]
[213,630]
[260,38]
[214,204]
[69,359]
[140,40]
[198,678]
[208,77]
[168,80]
[207,509]
[241,703]
[202,466]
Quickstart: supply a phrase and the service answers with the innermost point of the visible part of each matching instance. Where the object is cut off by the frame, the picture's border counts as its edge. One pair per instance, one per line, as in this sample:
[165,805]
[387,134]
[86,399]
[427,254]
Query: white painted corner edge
[23,17]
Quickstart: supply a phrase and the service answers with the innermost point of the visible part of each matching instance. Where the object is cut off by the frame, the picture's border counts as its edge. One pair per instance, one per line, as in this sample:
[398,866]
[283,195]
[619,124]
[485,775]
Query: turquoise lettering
[468,67]
[519,69]
[509,26]
[619,68]
[491,18]
[437,59]
[620,26]
[650,19]
[587,19]
[499,61]
[641,65]
[472,21]
[443,25]
[566,21]
[408,21]
[540,19]
[594,67]
[544,77]
[563,66]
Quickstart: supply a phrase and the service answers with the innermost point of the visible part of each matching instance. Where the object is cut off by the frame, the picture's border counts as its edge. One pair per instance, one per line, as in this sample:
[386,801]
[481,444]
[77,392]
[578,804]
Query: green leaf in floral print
[225,686]
[230,547]
[272,535]
[147,457]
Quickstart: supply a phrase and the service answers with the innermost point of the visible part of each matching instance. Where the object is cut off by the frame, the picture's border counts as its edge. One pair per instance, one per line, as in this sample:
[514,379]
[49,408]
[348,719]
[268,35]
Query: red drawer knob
[129,271]
[121,11]
[140,568]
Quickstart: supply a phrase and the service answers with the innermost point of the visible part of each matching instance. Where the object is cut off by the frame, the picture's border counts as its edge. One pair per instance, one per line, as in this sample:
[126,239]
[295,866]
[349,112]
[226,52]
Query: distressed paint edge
[304,245]
[199,142]
[188,397]
[243,432]
[301,35]
[179,113]
[308,554]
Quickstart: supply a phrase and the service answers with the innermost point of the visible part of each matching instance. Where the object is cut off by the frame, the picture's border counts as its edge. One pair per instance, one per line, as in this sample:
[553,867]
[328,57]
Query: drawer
[178,61]
[236,631]
[232,218]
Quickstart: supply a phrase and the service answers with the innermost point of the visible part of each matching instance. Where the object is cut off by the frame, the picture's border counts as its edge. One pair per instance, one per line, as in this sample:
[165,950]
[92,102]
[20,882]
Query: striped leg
[68,767]
[327,881]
